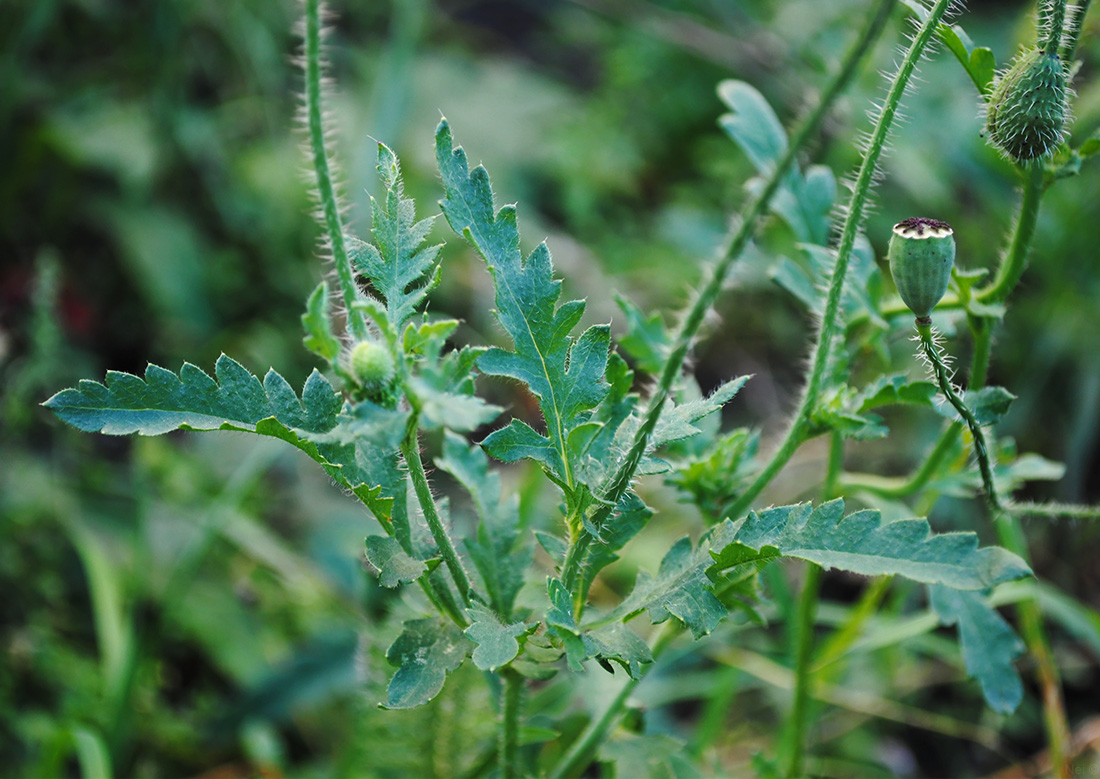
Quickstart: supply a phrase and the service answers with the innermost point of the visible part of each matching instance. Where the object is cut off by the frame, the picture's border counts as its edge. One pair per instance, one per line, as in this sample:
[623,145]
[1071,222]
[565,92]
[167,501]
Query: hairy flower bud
[1027,110]
[372,365]
[922,253]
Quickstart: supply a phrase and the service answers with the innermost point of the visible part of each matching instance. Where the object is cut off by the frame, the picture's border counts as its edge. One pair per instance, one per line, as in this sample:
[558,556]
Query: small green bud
[372,365]
[922,253]
[1027,110]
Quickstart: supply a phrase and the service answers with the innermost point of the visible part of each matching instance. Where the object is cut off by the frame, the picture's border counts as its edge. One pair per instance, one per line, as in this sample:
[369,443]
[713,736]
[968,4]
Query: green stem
[1052,510]
[580,751]
[410,450]
[1015,261]
[1011,536]
[326,192]
[1073,34]
[889,487]
[943,377]
[511,705]
[796,432]
[704,301]
[1051,26]
[793,744]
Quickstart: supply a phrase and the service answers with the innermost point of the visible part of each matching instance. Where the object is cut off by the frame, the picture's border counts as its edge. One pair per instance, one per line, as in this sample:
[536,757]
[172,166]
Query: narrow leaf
[317,323]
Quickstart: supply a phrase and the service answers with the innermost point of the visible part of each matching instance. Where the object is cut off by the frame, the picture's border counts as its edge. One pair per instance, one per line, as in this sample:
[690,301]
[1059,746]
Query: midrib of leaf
[542,360]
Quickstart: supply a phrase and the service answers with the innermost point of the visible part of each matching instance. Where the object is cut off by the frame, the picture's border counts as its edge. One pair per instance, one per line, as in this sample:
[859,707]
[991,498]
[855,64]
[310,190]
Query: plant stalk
[793,743]
[511,705]
[1015,261]
[1073,33]
[1050,33]
[795,434]
[326,192]
[410,450]
[692,320]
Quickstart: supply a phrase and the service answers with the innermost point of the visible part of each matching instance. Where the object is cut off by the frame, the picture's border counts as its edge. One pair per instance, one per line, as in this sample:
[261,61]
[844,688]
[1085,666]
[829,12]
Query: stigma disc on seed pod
[922,253]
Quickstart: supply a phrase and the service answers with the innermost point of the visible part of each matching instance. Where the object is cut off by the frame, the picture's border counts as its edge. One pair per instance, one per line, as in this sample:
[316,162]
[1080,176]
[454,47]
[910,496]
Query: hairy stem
[1073,33]
[511,704]
[943,378]
[1051,24]
[1015,260]
[693,319]
[410,450]
[326,192]
[829,322]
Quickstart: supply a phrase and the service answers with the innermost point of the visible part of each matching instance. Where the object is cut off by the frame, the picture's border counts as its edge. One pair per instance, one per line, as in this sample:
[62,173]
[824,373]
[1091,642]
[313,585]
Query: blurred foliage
[180,606]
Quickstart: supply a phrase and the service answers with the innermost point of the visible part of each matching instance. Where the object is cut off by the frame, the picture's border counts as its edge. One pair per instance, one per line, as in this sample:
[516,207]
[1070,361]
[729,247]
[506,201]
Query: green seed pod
[922,253]
[372,365]
[1027,110]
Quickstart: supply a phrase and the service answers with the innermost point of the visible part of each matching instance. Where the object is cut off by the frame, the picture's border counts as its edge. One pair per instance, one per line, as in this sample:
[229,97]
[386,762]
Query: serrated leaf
[897,389]
[496,553]
[451,410]
[646,339]
[398,265]
[989,645]
[988,405]
[393,564]
[618,643]
[681,589]
[561,623]
[497,643]
[566,376]
[864,544]
[425,652]
[317,323]
[163,401]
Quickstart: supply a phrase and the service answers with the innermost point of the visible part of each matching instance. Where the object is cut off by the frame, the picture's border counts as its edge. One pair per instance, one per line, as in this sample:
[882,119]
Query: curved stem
[716,275]
[1015,261]
[326,192]
[410,450]
[827,331]
[943,377]
[511,704]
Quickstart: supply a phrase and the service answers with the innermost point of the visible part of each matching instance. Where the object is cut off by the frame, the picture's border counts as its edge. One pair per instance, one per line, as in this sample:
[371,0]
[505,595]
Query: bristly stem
[326,192]
[1015,261]
[829,322]
[1073,34]
[942,375]
[410,450]
[511,703]
[733,247]
[1052,22]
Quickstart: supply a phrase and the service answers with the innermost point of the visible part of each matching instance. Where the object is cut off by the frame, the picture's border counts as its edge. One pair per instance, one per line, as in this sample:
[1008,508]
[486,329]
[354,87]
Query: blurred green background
[199,605]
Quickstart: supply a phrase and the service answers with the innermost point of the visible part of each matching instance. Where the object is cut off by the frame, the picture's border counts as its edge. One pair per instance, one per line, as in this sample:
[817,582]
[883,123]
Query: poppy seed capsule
[372,364]
[1027,110]
[922,253]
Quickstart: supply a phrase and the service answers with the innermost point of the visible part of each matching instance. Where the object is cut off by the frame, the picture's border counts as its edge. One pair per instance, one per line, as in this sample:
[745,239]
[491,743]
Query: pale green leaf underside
[989,645]
[393,564]
[425,653]
[497,643]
